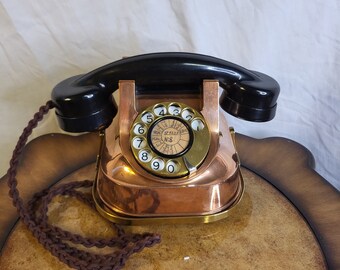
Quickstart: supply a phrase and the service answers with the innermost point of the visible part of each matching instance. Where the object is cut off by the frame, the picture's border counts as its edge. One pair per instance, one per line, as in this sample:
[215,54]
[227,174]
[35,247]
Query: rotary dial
[170,139]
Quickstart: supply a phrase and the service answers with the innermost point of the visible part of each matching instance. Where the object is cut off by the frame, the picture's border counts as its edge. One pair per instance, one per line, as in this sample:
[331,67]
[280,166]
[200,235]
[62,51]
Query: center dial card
[170,139]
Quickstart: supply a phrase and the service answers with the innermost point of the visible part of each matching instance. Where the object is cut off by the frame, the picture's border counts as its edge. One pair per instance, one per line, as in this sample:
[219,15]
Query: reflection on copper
[123,187]
[215,198]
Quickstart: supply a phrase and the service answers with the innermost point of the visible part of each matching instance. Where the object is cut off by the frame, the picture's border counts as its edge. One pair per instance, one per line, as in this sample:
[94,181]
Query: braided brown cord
[53,238]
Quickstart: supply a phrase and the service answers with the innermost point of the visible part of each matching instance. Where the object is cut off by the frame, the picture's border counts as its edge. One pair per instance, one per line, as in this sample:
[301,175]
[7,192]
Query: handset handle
[84,102]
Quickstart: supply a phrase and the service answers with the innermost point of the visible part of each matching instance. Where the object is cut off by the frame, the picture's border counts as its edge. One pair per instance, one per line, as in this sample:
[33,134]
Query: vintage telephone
[167,153]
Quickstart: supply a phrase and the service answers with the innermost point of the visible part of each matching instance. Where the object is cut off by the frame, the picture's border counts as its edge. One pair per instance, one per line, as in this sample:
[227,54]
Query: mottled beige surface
[264,232]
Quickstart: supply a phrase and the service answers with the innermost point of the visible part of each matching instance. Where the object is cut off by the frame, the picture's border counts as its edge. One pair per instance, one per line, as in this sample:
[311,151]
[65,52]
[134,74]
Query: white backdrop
[296,42]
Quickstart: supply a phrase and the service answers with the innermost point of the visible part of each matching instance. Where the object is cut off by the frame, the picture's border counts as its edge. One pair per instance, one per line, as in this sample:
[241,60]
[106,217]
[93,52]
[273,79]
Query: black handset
[84,102]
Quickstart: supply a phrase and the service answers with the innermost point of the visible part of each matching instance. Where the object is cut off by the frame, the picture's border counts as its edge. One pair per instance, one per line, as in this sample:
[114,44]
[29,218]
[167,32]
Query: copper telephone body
[128,194]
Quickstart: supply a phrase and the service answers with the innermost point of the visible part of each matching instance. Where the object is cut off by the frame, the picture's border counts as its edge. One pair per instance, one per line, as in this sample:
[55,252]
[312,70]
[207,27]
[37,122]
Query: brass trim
[99,155]
[233,137]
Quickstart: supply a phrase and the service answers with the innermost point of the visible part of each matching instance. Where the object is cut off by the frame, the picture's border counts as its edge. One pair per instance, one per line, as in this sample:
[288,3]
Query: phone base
[122,219]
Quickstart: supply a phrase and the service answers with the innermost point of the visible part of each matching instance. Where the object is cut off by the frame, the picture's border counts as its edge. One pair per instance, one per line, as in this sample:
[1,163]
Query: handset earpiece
[83,108]
[84,103]
[253,100]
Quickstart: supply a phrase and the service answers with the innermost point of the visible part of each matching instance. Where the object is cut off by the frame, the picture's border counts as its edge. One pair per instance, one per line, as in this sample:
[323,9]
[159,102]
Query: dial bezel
[187,160]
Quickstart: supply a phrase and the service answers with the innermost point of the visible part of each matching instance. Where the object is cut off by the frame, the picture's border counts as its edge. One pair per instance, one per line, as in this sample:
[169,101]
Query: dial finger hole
[147,117]
[157,164]
[187,114]
[197,124]
[172,166]
[174,109]
[160,110]
[139,142]
[145,156]
[139,129]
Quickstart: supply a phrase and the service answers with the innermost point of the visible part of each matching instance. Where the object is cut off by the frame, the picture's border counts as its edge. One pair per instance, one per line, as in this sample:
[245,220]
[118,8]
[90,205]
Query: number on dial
[160,110]
[197,125]
[187,115]
[172,167]
[139,129]
[174,109]
[157,164]
[144,156]
[139,142]
[148,117]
